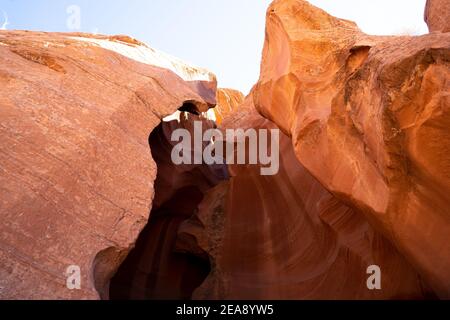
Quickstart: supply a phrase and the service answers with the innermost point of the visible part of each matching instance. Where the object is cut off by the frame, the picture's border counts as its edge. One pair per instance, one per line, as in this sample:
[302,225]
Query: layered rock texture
[87,175]
[369,118]
[437,15]
[286,237]
[227,102]
[157,268]
[76,169]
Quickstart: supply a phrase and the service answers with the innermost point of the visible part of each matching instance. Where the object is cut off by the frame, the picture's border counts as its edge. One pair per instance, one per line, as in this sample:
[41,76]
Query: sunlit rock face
[286,237]
[227,102]
[437,15]
[368,117]
[76,172]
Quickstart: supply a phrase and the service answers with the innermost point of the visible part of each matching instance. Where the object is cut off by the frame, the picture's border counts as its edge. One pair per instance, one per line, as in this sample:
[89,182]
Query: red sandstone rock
[227,101]
[157,268]
[366,117]
[437,15]
[286,237]
[369,118]
[77,174]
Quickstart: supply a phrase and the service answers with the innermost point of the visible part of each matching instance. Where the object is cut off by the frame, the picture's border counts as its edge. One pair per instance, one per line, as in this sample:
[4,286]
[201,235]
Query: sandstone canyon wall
[157,268]
[369,118]
[76,169]
[286,237]
[228,100]
[364,178]
[437,15]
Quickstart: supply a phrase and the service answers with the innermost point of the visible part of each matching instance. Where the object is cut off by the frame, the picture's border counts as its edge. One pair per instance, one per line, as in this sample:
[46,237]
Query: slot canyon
[87,179]
[155,269]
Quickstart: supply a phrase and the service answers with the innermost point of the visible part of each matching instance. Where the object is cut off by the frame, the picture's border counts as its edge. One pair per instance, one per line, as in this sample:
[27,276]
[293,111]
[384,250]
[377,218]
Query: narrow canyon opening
[156,268]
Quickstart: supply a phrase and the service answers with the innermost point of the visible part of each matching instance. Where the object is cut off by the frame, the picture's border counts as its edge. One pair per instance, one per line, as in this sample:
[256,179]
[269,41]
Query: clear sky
[225,36]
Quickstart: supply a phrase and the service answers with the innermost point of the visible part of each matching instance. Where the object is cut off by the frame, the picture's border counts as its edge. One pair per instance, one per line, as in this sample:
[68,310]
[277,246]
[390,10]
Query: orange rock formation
[369,118]
[227,102]
[364,167]
[286,237]
[76,170]
[437,15]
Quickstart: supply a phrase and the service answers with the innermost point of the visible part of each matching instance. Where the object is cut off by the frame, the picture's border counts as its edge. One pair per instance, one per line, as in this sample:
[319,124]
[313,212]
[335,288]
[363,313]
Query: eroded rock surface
[76,172]
[437,15]
[369,118]
[364,175]
[286,237]
[157,268]
[227,102]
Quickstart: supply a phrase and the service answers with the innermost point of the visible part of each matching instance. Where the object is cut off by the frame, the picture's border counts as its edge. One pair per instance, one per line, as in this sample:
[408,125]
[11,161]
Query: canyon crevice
[286,237]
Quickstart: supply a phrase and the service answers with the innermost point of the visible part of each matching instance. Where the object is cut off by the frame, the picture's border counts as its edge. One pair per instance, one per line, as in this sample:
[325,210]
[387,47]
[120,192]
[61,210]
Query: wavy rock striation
[369,118]
[286,237]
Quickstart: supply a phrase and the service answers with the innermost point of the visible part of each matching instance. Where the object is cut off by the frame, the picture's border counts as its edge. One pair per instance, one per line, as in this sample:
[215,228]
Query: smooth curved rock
[369,119]
[286,237]
[76,174]
[437,15]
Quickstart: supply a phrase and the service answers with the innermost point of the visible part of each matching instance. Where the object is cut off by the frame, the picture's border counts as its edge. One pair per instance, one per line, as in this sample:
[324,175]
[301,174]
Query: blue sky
[225,36]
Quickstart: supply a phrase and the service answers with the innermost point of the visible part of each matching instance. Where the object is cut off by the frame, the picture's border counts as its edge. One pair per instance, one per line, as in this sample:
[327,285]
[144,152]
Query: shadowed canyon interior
[153,269]
[179,255]
[156,268]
